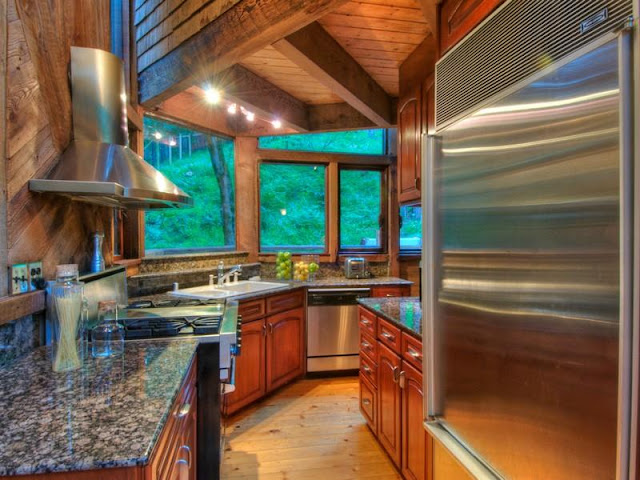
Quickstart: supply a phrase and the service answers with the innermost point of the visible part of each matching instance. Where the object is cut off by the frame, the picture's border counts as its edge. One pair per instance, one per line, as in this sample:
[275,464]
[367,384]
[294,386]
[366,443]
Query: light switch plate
[35,275]
[19,278]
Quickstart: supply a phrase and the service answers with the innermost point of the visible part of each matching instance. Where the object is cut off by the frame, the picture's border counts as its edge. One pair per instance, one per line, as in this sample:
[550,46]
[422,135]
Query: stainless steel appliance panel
[333,329]
[527,301]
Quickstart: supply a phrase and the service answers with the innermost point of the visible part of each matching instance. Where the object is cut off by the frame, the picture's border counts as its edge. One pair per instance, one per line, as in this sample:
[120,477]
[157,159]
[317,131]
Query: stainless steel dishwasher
[332,328]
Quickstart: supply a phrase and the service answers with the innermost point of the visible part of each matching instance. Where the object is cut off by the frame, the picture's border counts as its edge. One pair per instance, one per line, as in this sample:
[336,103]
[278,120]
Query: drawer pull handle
[366,368]
[413,353]
[184,410]
[186,447]
[388,336]
[389,295]
[365,322]
[366,401]
[366,345]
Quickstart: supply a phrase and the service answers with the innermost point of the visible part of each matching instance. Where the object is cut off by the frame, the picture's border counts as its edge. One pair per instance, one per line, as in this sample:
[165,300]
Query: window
[293,207]
[202,165]
[362,207]
[410,228]
[363,142]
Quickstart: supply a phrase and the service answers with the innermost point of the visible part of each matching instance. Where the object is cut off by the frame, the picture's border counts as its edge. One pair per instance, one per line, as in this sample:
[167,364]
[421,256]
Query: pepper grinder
[97,259]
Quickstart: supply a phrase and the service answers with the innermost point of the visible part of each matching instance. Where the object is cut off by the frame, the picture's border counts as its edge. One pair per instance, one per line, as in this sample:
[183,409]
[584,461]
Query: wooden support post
[247,201]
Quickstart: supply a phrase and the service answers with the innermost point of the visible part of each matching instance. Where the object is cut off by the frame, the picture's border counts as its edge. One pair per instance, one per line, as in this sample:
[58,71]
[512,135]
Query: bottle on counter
[67,320]
[107,338]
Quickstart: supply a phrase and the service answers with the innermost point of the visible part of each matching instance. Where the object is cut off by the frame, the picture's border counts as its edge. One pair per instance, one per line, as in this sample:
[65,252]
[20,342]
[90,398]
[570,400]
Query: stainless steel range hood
[98,166]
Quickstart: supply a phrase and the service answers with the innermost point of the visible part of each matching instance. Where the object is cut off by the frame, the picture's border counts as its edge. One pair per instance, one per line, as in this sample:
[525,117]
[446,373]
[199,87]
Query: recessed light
[212,95]
[157,135]
[276,124]
[232,109]
[251,116]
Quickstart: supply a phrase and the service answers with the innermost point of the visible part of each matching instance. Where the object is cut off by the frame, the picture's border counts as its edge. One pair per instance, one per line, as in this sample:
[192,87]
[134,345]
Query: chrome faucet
[224,277]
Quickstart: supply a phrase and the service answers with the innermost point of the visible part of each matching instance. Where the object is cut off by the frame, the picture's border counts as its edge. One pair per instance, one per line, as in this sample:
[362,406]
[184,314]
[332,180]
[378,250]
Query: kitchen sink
[228,290]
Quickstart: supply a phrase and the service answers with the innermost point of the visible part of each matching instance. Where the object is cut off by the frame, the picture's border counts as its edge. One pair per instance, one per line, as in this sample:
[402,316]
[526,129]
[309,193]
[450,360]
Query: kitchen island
[403,312]
[110,413]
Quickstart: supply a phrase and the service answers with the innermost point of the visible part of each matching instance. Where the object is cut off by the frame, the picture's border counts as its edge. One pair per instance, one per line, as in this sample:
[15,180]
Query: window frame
[384,209]
[384,146]
[408,252]
[327,230]
[160,252]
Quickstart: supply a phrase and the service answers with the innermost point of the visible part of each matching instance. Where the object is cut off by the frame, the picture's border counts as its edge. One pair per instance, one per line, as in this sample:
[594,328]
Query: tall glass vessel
[68,336]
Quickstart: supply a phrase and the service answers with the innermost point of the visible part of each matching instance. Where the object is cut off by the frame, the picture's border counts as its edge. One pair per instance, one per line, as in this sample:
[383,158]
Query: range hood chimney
[98,166]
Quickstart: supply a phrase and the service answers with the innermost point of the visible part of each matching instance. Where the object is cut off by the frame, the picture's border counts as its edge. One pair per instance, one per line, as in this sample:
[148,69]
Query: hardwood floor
[309,430]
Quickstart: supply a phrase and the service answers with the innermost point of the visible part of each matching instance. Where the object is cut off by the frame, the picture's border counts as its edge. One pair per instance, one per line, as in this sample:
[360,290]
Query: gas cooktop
[172,317]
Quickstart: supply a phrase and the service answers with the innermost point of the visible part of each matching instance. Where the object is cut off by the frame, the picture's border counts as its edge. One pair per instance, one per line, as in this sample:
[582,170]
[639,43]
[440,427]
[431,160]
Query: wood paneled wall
[162,25]
[38,128]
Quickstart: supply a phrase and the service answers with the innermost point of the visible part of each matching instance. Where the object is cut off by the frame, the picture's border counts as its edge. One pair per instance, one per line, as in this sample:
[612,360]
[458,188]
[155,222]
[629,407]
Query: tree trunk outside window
[224,182]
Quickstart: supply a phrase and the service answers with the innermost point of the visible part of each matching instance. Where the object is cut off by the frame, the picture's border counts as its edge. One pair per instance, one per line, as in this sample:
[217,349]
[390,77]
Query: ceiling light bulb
[276,124]
[251,116]
[233,108]
[212,95]
[157,135]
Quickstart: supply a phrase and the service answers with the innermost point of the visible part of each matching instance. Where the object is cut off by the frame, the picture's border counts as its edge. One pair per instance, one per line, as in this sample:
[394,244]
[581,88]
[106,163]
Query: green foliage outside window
[358,142]
[201,165]
[360,209]
[411,229]
[292,207]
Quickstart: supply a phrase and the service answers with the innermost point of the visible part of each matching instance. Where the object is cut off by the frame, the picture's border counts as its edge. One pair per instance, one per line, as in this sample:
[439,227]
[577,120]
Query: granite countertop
[291,286]
[405,312]
[109,413]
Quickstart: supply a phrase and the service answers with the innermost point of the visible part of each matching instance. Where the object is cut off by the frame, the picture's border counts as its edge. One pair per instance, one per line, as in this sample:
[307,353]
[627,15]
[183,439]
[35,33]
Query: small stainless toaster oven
[356,267]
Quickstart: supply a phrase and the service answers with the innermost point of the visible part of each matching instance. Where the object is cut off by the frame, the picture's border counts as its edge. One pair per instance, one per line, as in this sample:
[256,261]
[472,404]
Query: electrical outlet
[36,280]
[19,278]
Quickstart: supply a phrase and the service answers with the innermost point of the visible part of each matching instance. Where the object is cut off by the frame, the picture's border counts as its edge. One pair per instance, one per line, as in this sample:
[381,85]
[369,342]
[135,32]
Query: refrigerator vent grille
[519,39]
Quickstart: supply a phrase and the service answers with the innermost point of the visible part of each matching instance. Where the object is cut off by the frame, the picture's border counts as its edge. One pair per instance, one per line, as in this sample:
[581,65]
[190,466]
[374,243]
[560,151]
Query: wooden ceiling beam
[245,28]
[263,98]
[336,116]
[314,50]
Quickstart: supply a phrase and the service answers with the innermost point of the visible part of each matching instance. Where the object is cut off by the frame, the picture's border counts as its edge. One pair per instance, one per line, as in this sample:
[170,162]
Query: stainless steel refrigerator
[528,274]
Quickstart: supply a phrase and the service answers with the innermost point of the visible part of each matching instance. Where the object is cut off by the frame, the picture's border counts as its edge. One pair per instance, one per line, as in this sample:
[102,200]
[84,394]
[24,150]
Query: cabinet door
[459,17]
[409,126]
[389,403]
[250,368]
[414,436]
[285,347]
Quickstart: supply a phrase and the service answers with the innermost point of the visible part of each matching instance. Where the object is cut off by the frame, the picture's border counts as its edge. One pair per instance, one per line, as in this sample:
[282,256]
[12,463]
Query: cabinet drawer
[368,403]
[367,321]
[389,335]
[286,301]
[368,369]
[412,350]
[251,310]
[170,447]
[403,291]
[368,347]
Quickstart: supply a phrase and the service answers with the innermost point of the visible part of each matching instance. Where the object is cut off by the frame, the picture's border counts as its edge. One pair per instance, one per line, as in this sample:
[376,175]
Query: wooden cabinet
[174,456]
[409,130]
[285,347]
[459,17]
[391,396]
[397,291]
[414,436]
[389,406]
[272,347]
[250,379]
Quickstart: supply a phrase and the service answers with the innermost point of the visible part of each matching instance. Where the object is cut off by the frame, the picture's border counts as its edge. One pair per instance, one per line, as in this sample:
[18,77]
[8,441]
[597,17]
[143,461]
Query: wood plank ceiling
[358,73]
[379,35]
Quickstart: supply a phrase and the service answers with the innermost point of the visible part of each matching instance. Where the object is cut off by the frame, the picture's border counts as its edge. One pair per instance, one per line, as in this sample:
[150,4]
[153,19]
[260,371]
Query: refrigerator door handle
[431,406]
[627,323]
